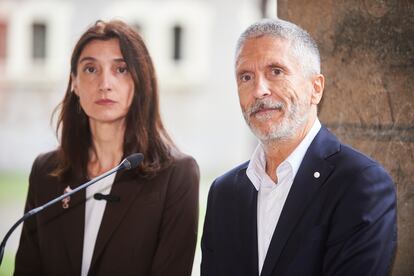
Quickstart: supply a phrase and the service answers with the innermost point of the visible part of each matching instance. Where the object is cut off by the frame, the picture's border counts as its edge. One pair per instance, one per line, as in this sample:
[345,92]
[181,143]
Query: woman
[148,223]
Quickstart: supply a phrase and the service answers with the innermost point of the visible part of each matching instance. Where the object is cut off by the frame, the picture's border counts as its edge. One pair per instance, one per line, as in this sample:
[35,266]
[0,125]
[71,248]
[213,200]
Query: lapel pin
[316,174]
[66,200]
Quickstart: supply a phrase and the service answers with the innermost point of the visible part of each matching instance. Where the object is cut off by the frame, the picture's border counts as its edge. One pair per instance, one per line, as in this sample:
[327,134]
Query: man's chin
[270,116]
[266,135]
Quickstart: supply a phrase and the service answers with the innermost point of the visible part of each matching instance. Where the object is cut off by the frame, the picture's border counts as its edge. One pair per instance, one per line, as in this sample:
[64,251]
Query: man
[304,204]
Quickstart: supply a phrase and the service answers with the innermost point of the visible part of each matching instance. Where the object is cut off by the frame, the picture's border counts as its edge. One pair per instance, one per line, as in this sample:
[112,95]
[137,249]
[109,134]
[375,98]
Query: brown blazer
[151,231]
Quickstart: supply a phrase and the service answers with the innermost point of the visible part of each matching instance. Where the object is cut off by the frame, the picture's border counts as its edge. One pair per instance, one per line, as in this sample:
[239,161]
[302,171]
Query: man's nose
[261,88]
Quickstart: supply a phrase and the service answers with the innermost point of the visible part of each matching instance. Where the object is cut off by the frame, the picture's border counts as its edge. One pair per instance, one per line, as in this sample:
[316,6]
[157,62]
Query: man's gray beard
[289,126]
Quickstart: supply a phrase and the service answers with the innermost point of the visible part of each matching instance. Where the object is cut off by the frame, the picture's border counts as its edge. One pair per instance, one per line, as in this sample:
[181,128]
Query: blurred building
[191,42]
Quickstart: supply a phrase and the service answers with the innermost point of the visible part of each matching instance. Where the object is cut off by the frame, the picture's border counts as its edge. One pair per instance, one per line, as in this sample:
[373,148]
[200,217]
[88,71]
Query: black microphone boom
[131,162]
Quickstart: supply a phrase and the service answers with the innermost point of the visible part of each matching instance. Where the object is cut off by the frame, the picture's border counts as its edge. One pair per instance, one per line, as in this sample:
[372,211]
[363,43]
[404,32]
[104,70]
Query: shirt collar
[257,165]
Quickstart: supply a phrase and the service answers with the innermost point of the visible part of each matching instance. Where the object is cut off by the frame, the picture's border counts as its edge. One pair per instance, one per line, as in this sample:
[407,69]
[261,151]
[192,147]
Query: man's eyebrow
[241,72]
[277,65]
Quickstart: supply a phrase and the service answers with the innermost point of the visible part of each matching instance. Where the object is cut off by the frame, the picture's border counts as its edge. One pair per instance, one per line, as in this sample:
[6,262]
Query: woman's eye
[89,69]
[122,70]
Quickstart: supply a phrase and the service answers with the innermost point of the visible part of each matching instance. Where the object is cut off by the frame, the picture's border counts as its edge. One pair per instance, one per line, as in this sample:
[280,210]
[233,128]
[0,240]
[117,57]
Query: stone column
[367,50]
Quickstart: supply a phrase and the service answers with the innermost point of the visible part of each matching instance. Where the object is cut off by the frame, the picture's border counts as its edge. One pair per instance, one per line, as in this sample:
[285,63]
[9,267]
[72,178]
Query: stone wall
[367,50]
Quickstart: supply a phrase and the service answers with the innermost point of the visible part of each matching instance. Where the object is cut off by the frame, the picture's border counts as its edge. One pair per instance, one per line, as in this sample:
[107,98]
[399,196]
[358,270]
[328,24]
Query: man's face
[275,95]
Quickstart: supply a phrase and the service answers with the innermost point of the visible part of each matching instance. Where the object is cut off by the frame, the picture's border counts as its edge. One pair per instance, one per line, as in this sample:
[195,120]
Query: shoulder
[46,162]
[183,162]
[179,181]
[41,180]
[342,155]
[352,160]
[362,171]
[234,173]
[180,159]
[356,173]
[183,168]
[231,178]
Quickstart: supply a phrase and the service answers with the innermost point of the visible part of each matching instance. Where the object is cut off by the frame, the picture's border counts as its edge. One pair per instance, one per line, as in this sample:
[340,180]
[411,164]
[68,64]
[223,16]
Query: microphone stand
[125,164]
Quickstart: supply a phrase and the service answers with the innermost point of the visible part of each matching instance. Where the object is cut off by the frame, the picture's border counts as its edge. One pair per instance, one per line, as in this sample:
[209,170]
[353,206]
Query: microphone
[132,161]
[108,197]
[129,163]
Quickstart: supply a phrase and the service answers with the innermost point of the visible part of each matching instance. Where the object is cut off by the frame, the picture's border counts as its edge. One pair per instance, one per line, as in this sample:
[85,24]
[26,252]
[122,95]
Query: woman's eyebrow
[87,59]
[94,59]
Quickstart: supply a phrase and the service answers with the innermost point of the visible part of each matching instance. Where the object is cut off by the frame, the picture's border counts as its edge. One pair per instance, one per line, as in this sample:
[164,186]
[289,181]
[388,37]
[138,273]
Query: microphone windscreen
[134,160]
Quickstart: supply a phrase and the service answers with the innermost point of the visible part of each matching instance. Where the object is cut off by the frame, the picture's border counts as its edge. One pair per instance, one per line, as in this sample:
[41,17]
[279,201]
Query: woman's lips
[104,102]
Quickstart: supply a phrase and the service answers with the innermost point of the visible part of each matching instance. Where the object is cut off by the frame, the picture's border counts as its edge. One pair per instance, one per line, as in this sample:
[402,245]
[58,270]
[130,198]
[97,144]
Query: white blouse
[94,210]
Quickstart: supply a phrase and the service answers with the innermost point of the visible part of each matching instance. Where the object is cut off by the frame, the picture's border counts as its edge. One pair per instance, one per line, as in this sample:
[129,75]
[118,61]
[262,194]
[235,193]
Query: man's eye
[245,77]
[276,71]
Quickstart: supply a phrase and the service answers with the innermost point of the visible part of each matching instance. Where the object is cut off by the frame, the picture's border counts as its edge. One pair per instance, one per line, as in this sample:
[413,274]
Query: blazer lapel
[73,223]
[311,175]
[127,188]
[246,208]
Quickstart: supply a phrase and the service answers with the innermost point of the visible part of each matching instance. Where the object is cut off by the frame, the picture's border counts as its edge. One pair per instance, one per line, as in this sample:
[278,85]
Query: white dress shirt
[272,196]
[94,210]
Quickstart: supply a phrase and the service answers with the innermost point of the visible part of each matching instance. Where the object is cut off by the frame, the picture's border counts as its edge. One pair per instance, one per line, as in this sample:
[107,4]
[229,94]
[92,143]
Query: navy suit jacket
[342,223]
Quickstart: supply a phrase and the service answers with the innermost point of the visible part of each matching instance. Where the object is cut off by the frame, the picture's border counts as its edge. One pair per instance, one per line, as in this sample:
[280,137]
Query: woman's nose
[105,83]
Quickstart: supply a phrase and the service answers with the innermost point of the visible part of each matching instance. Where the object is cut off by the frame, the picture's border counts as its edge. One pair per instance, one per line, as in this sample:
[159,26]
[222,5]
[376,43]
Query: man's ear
[74,84]
[318,84]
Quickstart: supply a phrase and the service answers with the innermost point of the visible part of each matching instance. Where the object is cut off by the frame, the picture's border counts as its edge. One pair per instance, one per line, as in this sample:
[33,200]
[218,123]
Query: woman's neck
[107,147]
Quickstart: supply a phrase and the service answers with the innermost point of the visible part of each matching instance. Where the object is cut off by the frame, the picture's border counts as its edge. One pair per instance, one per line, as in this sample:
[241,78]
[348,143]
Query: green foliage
[13,187]
[7,266]
[13,190]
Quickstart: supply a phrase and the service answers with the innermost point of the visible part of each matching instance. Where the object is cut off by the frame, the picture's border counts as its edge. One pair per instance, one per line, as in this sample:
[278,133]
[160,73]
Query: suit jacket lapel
[72,222]
[127,188]
[246,208]
[305,186]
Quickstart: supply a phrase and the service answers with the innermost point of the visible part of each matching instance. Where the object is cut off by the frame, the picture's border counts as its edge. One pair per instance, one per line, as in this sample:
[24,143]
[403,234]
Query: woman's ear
[318,84]
[74,84]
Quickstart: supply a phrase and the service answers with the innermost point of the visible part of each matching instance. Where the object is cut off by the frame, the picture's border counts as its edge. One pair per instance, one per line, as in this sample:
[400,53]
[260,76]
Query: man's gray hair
[303,46]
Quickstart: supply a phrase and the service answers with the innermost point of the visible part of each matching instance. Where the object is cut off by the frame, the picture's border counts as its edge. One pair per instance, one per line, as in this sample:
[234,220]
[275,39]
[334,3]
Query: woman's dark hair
[144,131]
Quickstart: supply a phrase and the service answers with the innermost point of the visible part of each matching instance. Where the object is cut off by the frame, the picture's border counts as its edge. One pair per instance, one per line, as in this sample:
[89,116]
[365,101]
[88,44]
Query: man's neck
[276,151]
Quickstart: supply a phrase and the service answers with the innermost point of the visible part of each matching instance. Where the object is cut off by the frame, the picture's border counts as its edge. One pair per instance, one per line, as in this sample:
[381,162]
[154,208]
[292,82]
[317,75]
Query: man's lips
[264,110]
[104,102]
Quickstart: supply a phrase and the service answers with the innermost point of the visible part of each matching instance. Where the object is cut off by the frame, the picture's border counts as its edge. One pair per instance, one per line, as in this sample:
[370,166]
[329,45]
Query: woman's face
[103,82]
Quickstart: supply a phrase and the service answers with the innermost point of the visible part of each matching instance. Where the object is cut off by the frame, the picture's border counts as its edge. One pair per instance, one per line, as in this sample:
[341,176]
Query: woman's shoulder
[180,159]
[46,161]
[182,166]
[182,174]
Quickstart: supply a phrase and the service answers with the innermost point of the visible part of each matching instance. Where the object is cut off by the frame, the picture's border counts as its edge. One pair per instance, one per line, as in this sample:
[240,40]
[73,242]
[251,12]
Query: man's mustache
[262,104]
